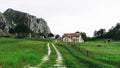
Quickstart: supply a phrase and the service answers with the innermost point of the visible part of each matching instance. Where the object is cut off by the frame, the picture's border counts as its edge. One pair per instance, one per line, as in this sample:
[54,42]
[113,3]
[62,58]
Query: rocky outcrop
[11,18]
[3,25]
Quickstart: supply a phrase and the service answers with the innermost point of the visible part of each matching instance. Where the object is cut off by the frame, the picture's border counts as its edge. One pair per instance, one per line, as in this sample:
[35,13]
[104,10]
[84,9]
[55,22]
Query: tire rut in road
[59,58]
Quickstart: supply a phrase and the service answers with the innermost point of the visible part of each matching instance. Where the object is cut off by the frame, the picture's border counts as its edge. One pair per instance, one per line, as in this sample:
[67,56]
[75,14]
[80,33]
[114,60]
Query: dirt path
[59,58]
[44,59]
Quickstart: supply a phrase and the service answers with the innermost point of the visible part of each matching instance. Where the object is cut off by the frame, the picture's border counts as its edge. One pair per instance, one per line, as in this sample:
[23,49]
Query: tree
[114,32]
[22,30]
[11,31]
[84,36]
[95,33]
[100,34]
[50,35]
[42,34]
[57,36]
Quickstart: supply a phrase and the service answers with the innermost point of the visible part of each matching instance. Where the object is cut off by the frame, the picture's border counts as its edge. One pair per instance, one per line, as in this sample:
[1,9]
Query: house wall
[66,39]
[80,39]
[74,39]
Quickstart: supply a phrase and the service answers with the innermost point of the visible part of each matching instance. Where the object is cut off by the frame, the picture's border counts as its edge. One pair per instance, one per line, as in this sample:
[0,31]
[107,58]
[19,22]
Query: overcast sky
[67,16]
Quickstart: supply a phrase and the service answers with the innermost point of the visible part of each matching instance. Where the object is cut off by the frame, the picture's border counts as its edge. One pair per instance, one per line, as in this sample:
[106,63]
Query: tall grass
[79,60]
[16,53]
[105,52]
[108,53]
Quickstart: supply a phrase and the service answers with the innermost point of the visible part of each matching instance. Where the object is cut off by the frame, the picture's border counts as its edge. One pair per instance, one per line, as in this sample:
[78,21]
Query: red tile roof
[71,35]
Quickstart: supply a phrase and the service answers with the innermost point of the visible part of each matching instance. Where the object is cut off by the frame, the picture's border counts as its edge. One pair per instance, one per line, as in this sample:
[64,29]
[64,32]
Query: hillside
[11,18]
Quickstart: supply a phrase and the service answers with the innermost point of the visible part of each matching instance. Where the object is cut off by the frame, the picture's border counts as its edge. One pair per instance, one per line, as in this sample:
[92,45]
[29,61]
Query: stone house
[72,37]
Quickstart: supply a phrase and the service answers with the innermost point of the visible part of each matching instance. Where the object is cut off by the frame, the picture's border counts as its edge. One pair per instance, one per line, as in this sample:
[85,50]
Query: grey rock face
[14,18]
[3,26]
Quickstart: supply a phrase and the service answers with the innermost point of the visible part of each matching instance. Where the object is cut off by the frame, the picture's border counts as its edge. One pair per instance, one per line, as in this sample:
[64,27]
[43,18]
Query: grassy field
[74,59]
[16,53]
[94,54]
[105,52]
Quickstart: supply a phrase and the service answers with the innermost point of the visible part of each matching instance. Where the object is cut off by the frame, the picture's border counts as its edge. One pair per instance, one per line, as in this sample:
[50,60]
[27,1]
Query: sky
[68,16]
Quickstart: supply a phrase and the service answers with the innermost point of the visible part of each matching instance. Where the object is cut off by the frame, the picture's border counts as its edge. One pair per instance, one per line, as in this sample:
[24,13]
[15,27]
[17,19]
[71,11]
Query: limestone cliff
[3,25]
[11,18]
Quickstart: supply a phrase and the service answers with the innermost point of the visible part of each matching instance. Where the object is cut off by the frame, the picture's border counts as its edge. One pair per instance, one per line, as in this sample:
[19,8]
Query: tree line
[113,33]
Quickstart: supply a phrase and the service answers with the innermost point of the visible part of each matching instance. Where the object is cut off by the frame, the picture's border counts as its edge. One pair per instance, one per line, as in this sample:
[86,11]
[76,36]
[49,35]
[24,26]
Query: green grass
[16,53]
[107,53]
[75,59]
[69,59]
